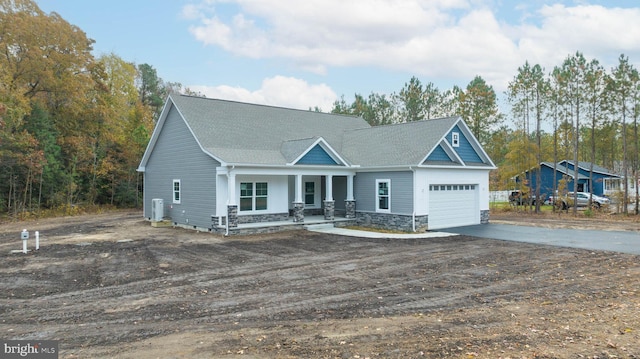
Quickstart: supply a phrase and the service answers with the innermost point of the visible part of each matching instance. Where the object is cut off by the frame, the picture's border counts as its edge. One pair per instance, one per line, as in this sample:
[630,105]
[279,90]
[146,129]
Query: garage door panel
[453,205]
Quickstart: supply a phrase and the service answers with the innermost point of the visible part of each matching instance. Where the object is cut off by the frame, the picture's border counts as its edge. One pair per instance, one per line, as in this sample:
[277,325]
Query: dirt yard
[111,286]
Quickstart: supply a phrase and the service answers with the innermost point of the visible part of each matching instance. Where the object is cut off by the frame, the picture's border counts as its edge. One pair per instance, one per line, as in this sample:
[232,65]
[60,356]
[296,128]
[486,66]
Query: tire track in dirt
[174,283]
[294,284]
[135,290]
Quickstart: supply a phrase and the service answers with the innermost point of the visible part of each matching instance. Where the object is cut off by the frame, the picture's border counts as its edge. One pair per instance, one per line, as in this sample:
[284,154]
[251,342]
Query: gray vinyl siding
[364,191]
[339,191]
[177,155]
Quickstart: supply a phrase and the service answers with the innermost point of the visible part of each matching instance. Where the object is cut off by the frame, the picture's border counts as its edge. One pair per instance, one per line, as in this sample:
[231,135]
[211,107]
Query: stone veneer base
[484,216]
[392,221]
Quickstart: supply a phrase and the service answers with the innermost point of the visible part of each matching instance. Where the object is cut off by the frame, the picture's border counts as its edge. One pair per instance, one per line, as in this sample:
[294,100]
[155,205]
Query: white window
[253,196]
[176,191]
[612,184]
[455,187]
[309,193]
[383,195]
[455,139]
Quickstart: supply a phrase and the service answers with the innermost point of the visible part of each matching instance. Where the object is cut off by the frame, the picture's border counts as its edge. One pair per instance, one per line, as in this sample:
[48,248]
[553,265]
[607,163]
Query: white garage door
[452,205]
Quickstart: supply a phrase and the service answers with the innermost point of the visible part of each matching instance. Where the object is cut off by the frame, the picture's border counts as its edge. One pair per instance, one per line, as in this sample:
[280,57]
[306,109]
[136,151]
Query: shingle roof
[243,133]
[293,148]
[563,167]
[246,133]
[596,168]
[398,144]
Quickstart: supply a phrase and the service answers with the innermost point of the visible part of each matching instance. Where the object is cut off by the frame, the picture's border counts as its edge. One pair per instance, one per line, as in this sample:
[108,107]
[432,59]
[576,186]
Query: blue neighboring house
[224,166]
[603,183]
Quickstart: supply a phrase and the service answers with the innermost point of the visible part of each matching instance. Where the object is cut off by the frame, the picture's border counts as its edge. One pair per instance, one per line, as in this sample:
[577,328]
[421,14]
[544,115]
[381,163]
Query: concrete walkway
[371,234]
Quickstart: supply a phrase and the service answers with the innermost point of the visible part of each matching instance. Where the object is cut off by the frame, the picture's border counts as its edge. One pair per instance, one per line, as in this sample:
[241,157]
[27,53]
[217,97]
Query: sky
[308,53]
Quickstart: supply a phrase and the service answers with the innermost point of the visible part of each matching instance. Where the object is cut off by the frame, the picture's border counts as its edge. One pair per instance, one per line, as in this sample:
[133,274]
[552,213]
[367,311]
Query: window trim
[254,196]
[178,191]
[257,196]
[241,197]
[313,193]
[378,195]
[455,139]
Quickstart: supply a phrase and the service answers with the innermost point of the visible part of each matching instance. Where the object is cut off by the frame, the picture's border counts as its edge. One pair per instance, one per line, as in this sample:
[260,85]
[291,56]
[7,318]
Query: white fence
[499,196]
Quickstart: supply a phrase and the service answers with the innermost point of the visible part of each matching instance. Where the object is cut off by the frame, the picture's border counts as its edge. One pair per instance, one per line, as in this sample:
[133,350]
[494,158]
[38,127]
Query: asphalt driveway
[615,241]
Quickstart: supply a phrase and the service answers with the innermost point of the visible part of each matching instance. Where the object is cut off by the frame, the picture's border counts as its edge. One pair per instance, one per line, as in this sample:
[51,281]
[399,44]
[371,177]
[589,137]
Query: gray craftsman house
[224,166]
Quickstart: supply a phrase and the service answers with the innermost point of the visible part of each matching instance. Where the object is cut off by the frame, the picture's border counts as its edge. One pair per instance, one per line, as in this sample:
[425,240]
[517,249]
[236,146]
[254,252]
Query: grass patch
[60,211]
[508,207]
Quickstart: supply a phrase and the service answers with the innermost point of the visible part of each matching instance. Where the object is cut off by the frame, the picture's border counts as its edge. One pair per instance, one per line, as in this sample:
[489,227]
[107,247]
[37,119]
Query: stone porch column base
[232,216]
[298,212]
[329,210]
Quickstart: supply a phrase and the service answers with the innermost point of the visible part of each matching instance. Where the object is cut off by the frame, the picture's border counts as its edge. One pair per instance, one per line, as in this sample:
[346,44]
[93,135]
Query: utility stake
[25,236]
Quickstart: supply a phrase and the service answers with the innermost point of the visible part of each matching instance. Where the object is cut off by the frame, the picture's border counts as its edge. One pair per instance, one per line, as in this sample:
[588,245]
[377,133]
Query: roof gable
[316,156]
[468,148]
[311,151]
[436,156]
[566,168]
[169,109]
[560,168]
[464,150]
[241,133]
[439,154]
[585,166]
[405,144]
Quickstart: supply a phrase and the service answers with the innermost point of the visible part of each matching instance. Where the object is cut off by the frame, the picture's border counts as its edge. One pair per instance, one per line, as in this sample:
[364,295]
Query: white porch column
[329,187]
[298,189]
[350,202]
[329,204]
[232,206]
[298,204]
[349,188]
[231,189]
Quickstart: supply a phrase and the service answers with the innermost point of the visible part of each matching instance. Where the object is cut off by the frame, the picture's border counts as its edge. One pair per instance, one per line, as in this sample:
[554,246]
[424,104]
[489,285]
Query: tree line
[477,103]
[577,111]
[73,127]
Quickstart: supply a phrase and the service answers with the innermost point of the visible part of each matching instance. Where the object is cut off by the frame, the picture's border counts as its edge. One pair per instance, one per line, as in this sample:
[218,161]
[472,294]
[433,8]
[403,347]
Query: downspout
[226,233]
[413,214]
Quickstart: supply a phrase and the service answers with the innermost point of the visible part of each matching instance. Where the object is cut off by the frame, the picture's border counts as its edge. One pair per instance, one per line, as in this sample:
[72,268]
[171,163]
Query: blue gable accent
[464,150]
[439,154]
[317,156]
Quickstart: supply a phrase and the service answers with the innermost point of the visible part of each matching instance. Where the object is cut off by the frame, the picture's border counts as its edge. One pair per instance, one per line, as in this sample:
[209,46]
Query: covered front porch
[259,200]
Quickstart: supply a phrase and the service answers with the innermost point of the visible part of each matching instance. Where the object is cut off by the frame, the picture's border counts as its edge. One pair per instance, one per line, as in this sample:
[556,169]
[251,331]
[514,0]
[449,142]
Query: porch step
[318,226]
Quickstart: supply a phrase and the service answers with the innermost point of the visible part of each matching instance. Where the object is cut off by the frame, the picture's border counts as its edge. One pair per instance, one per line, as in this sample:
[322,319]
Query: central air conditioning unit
[157,209]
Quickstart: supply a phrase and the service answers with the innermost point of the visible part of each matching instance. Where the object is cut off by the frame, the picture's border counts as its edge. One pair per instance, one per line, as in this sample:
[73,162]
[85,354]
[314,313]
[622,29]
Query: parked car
[519,198]
[582,200]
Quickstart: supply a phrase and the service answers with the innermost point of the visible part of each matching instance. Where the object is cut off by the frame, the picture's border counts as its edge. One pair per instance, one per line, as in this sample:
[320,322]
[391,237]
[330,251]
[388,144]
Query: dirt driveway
[110,286]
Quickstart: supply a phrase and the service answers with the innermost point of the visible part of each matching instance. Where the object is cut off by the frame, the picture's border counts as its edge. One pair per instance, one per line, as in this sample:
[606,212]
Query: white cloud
[320,33]
[276,91]
[442,39]
[598,32]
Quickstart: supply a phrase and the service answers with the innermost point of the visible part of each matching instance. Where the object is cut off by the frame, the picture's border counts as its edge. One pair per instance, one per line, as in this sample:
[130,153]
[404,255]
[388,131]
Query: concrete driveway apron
[615,241]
